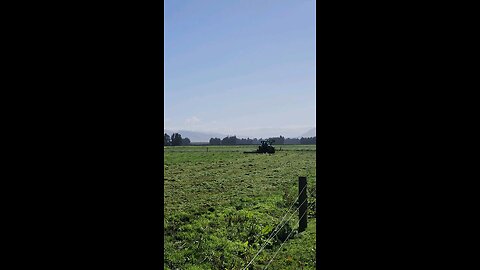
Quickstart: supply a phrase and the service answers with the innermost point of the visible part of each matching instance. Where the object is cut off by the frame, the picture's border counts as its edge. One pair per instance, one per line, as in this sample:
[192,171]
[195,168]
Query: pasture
[220,206]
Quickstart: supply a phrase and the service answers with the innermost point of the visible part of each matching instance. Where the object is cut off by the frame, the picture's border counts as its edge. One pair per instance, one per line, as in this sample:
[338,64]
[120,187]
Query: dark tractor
[265,147]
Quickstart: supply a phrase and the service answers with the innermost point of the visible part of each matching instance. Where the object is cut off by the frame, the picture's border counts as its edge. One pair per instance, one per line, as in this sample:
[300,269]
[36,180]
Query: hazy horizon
[239,67]
[252,133]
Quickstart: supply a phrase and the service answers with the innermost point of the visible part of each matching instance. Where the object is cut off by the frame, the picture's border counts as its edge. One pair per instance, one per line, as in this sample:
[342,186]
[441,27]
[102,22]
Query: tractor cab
[266,147]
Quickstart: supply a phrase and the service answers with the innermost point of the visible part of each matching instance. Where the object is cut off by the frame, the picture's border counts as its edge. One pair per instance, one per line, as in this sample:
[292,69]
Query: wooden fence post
[302,213]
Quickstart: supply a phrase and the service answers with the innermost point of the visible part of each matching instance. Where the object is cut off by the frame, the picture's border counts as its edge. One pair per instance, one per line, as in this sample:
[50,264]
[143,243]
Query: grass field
[220,206]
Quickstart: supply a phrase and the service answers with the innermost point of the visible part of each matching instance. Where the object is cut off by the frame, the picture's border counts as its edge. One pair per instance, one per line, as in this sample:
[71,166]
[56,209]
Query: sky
[238,67]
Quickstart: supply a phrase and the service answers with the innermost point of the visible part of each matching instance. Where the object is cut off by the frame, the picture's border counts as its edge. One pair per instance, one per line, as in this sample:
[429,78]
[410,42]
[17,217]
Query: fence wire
[283,243]
[266,242]
[276,230]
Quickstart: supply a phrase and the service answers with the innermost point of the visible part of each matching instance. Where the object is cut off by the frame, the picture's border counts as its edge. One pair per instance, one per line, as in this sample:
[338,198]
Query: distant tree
[292,141]
[244,141]
[229,140]
[186,141]
[166,139]
[308,140]
[176,139]
[278,140]
[215,141]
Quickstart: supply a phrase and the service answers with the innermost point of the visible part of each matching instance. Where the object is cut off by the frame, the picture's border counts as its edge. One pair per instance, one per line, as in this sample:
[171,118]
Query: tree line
[233,140]
[175,140]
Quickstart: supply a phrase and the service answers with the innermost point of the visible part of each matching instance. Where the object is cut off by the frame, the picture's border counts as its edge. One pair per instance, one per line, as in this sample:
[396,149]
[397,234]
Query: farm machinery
[265,147]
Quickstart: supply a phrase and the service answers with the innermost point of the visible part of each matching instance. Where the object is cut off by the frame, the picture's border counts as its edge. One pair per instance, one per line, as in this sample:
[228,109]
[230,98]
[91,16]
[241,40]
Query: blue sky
[237,66]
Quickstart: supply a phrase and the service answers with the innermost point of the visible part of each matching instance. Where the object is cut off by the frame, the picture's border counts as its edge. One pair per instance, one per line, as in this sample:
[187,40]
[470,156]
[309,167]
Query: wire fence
[271,260]
[277,229]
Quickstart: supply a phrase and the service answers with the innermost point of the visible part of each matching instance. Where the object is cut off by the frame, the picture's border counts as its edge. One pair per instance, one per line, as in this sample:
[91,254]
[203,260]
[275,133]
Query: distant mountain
[311,133]
[287,132]
[196,136]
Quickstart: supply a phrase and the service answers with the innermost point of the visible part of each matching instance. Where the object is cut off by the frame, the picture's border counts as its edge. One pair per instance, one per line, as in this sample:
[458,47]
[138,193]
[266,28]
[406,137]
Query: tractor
[265,147]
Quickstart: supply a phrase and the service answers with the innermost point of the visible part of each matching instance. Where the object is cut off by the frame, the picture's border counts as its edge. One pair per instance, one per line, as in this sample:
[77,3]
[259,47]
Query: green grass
[221,205]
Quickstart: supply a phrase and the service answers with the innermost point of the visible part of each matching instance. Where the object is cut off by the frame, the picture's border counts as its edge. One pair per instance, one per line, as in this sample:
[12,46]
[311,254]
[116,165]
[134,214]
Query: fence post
[302,213]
